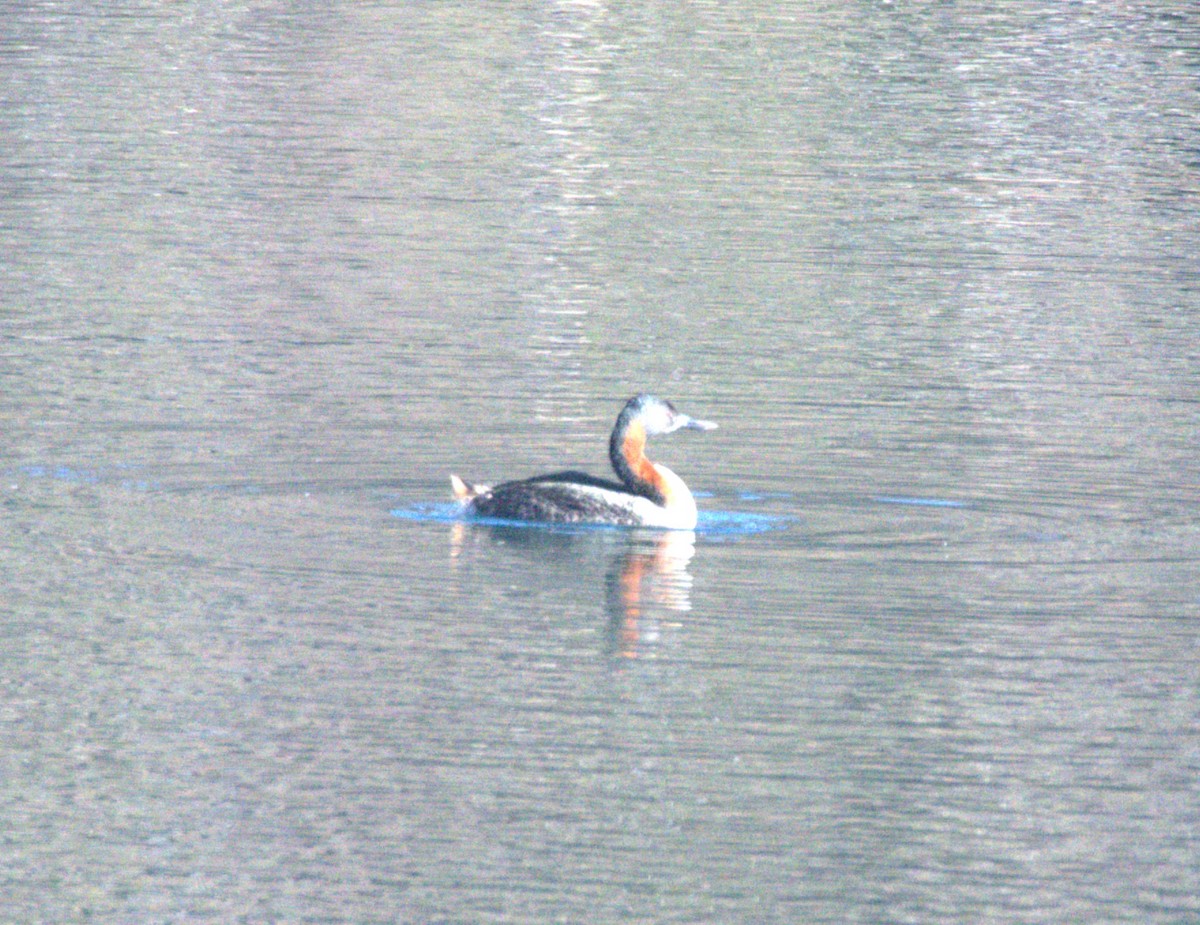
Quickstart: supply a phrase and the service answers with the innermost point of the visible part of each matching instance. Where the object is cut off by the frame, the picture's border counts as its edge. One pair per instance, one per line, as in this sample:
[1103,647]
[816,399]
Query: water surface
[271,275]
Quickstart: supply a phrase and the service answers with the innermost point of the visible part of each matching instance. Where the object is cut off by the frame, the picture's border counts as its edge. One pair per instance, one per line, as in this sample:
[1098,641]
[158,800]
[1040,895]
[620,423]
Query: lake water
[270,273]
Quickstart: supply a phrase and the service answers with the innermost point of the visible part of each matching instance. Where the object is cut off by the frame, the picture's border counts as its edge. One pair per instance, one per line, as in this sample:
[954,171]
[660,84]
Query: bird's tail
[465,491]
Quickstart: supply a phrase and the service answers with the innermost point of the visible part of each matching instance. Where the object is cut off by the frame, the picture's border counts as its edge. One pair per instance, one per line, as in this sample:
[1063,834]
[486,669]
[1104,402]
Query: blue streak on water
[709,523]
[738,523]
[764,496]
[60,473]
[917,502]
[444,513]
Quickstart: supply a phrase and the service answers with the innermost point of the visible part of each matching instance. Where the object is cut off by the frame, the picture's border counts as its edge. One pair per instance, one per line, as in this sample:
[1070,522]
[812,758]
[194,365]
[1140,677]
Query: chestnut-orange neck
[627,452]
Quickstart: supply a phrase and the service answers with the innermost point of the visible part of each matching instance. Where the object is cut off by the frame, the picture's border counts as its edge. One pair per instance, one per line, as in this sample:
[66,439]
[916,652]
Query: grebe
[648,495]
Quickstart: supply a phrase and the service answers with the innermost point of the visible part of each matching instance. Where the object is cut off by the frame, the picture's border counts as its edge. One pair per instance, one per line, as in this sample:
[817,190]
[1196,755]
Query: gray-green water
[269,273]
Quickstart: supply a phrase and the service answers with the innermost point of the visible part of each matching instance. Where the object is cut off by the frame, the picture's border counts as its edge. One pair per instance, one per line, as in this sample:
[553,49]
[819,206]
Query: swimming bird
[648,494]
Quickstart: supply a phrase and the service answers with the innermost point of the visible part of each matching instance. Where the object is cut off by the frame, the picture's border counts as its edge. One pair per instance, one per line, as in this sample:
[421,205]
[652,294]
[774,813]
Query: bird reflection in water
[646,584]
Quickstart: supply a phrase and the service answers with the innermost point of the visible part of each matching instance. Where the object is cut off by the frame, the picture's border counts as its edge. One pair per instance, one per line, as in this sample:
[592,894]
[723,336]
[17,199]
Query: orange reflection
[652,579]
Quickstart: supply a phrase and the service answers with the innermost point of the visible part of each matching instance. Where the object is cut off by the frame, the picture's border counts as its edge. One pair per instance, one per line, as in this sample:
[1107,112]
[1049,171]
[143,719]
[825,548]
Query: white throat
[678,503]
